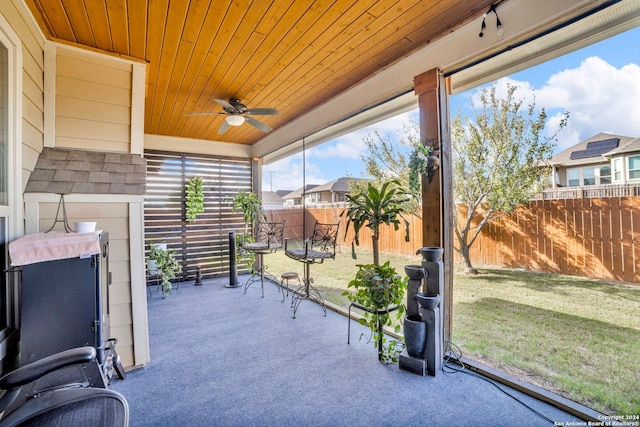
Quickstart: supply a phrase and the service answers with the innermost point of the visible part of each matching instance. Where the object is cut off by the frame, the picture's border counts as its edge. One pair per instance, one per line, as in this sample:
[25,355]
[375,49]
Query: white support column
[138,76]
[138,285]
[256,176]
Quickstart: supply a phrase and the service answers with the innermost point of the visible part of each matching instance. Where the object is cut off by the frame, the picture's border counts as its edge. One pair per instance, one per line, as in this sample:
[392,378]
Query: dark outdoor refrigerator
[65,304]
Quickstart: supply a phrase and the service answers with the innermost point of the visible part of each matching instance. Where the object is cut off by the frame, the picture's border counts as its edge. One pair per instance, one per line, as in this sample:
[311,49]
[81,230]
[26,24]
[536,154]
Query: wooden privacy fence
[597,238]
[591,237]
[390,241]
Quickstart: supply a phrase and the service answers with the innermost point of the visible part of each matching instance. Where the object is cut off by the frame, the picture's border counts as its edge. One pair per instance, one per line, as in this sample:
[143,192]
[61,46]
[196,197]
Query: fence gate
[205,242]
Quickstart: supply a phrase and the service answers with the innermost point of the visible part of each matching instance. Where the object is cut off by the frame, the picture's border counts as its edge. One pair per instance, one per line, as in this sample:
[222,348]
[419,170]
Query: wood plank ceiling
[292,55]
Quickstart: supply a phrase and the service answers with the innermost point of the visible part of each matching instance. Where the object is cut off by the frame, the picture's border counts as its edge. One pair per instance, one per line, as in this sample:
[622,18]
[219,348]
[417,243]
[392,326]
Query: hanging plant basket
[418,166]
[195,198]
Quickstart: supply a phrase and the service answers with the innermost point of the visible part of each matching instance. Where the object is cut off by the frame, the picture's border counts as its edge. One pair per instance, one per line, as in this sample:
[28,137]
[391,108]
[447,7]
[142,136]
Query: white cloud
[349,146]
[338,157]
[598,96]
[525,91]
[394,124]
[287,174]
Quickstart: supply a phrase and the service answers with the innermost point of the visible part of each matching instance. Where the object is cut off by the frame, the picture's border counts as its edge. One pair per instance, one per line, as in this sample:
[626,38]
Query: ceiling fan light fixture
[234,120]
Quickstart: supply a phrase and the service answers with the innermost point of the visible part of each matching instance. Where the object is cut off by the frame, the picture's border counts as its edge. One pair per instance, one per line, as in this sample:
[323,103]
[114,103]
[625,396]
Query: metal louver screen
[205,242]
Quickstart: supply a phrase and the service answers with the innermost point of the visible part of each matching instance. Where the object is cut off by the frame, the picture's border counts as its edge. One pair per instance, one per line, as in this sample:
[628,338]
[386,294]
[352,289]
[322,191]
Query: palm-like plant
[378,287]
[373,207]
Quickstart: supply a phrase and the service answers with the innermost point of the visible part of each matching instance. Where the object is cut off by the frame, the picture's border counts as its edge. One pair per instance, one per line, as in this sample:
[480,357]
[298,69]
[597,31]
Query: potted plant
[165,264]
[378,288]
[194,203]
[251,207]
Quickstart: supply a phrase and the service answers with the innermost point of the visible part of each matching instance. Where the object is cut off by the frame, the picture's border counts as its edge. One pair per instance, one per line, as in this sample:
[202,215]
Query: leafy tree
[498,162]
[388,159]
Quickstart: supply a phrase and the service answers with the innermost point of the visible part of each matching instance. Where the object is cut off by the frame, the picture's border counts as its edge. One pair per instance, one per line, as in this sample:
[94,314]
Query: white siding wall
[87,105]
[92,102]
[32,83]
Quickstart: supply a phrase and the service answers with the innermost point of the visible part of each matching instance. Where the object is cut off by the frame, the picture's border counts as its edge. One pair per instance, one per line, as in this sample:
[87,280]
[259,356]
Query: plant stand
[307,291]
[372,311]
[261,273]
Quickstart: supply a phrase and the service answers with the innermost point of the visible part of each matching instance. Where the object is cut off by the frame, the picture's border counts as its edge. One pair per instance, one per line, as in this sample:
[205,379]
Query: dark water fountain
[423,322]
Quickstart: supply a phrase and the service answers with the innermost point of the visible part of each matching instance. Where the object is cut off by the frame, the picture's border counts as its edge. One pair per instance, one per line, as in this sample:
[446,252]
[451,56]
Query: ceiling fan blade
[225,105]
[262,111]
[258,124]
[202,114]
[225,127]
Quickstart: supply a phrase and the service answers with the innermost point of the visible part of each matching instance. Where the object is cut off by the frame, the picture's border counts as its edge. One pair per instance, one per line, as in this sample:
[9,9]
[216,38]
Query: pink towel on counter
[52,246]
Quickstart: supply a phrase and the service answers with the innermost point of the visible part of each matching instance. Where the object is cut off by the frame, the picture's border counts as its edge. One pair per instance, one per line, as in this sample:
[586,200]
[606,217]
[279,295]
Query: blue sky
[599,85]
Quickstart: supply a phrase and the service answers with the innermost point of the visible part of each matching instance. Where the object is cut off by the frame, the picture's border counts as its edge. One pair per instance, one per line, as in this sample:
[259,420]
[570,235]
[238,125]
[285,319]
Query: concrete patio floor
[220,357]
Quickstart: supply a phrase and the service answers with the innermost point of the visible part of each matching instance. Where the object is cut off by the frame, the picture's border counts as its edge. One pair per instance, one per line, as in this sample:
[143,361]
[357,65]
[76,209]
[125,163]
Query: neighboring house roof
[271,198]
[298,193]
[629,147]
[282,193]
[591,150]
[340,185]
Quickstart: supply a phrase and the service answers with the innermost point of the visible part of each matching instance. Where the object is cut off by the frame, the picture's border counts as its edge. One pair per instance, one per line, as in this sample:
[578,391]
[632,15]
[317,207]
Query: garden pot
[415,336]
[152,265]
[431,254]
[427,301]
[161,246]
[415,272]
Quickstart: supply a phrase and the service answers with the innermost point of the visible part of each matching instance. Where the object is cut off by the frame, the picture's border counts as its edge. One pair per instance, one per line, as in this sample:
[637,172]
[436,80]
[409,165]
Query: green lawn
[577,337]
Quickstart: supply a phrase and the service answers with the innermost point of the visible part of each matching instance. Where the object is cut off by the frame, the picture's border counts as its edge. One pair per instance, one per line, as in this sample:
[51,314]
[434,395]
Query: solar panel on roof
[595,149]
[575,155]
[606,144]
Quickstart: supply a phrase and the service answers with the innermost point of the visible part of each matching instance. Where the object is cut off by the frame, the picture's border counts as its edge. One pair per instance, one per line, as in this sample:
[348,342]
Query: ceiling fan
[238,113]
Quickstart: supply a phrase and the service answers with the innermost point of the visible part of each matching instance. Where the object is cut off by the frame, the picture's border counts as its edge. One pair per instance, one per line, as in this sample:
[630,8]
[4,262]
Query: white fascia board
[196,146]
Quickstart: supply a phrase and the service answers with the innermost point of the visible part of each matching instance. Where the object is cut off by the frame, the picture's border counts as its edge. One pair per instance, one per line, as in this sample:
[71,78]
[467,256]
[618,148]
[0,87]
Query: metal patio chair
[268,240]
[319,247]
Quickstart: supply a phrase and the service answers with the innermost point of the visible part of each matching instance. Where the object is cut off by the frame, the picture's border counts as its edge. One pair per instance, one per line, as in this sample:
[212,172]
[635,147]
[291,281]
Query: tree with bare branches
[499,161]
